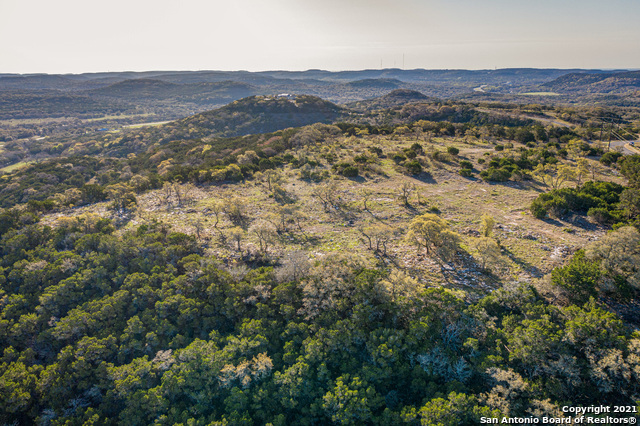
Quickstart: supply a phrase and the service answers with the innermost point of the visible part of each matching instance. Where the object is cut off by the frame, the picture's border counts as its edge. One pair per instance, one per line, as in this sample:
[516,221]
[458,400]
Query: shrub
[493,174]
[398,157]
[499,147]
[410,153]
[453,150]
[600,215]
[413,167]
[361,158]
[610,158]
[417,148]
[579,277]
[375,150]
[466,164]
[350,171]
[466,172]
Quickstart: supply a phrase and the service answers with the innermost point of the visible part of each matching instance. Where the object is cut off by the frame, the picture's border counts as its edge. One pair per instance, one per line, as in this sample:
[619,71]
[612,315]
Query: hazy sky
[73,36]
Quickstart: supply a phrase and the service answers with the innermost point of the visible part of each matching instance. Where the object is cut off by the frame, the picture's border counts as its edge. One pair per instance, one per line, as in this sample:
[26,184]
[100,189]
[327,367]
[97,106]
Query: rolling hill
[262,114]
[395,98]
[616,82]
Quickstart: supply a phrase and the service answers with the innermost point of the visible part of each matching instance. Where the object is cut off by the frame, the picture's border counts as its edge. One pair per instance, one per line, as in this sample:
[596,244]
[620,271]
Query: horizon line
[4,74]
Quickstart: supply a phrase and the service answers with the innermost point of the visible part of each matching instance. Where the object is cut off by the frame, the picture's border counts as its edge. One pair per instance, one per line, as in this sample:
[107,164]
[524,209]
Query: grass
[540,94]
[527,242]
[26,121]
[16,166]
[117,117]
[155,123]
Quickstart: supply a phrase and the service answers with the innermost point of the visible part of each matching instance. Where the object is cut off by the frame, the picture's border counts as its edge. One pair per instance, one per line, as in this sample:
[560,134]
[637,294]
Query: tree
[432,233]
[377,237]
[265,232]
[554,175]
[237,235]
[234,208]
[271,177]
[579,278]
[486,225]
[574,147]
[366,194]
[399,284]
[457,409]
[294,266]
[619,254]
[630,202]
[122,197]
[217,207]
[405,192]
[488,251]
[327,194]
[631,170]
[582,170]
[351,402]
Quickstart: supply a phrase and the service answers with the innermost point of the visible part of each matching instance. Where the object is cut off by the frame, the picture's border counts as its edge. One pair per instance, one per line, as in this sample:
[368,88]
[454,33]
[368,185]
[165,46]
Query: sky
[76,36]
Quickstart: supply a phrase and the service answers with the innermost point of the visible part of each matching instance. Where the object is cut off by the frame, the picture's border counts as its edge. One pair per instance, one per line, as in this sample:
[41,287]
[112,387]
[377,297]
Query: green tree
[432,233]
[580,278]
[554,175]
[487,223]
[488,251]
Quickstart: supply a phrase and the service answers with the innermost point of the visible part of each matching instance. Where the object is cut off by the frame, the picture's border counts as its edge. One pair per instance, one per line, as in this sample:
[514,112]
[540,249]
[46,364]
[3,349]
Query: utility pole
[601,127]
[610,132]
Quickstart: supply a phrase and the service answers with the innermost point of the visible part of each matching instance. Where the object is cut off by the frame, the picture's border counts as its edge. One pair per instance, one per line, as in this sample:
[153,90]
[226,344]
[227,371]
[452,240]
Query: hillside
[285,260]
[619,82]
[150,89]
[395,98]
[262,114]
[348,273]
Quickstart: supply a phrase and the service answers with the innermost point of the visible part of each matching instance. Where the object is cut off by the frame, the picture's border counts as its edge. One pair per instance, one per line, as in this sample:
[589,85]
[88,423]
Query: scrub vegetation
[284,260]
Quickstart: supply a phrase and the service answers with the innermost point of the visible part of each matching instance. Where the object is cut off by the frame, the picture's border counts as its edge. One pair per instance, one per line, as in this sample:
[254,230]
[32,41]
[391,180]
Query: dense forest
[284,260]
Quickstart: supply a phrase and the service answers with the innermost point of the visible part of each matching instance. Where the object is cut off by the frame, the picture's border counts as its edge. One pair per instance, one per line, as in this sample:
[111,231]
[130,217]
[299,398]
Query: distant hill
[386,83]
[166,95]
[153,89]
[142,87]
[262,114]
[613,82]
[392,99]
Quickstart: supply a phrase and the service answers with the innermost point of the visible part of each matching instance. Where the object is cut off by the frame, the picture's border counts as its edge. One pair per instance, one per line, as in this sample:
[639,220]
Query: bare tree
[266,234]
[237,235]
[366,194]
[377,237]
[294,266]
[235,210]
[405,192]
[327,194]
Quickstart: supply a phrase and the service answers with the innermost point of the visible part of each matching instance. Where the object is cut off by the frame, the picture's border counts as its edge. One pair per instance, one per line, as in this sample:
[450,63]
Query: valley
[371,247]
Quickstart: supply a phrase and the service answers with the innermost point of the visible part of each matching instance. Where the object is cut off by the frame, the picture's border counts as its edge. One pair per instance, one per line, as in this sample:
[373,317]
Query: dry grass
[530,247]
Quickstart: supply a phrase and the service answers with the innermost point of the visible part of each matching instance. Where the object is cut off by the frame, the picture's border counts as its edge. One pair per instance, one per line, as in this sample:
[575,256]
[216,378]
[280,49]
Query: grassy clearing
[117,117]
[26,121]
[150,124]
[530,247]
[540,94]
[16,166]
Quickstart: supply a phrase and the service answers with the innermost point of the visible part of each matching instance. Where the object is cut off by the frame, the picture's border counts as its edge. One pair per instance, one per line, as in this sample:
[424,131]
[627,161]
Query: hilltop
[614,83]
[395,98]
[200,93]
[263,114]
